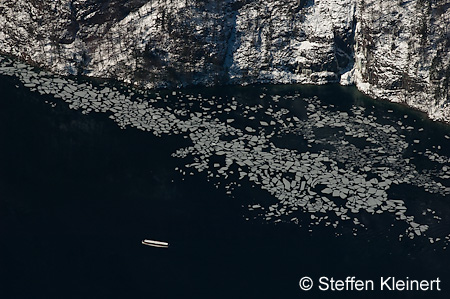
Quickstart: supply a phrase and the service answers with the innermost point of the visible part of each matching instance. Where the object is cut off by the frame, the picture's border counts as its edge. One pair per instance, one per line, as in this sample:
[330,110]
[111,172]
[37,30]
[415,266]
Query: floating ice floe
[334,181]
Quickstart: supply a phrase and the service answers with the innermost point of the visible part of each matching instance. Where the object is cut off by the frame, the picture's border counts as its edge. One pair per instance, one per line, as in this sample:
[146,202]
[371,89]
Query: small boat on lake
[153,243]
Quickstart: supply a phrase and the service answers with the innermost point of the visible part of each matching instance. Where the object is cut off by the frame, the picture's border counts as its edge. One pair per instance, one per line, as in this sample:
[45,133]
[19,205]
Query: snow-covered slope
[392,49]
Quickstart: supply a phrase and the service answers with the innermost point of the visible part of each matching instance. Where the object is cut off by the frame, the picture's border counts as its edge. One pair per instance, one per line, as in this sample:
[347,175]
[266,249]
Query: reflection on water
[320,158]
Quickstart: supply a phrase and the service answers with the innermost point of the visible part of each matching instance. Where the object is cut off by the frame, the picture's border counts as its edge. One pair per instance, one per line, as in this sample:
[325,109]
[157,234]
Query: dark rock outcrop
[395,50]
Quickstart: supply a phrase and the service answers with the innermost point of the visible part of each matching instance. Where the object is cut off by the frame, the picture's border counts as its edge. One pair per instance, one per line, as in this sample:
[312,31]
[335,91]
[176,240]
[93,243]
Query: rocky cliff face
[402,53]
[393,49]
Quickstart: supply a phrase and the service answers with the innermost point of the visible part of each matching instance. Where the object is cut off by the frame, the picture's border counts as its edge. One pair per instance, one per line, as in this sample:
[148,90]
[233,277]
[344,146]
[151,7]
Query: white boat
[155,243]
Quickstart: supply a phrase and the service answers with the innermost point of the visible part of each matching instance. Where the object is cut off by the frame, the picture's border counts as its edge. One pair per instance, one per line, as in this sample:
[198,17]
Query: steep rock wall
[402,53]
[395,50]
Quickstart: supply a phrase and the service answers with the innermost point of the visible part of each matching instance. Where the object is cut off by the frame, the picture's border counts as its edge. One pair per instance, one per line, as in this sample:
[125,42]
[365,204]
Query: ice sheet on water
[297,180]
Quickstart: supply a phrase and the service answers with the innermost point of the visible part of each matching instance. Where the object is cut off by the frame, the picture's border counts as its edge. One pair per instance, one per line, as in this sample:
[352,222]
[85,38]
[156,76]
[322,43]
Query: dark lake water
[78,194]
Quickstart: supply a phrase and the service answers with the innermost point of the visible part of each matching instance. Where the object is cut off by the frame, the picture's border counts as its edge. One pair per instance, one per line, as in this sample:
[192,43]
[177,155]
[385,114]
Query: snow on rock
[394,50]
[348,78]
